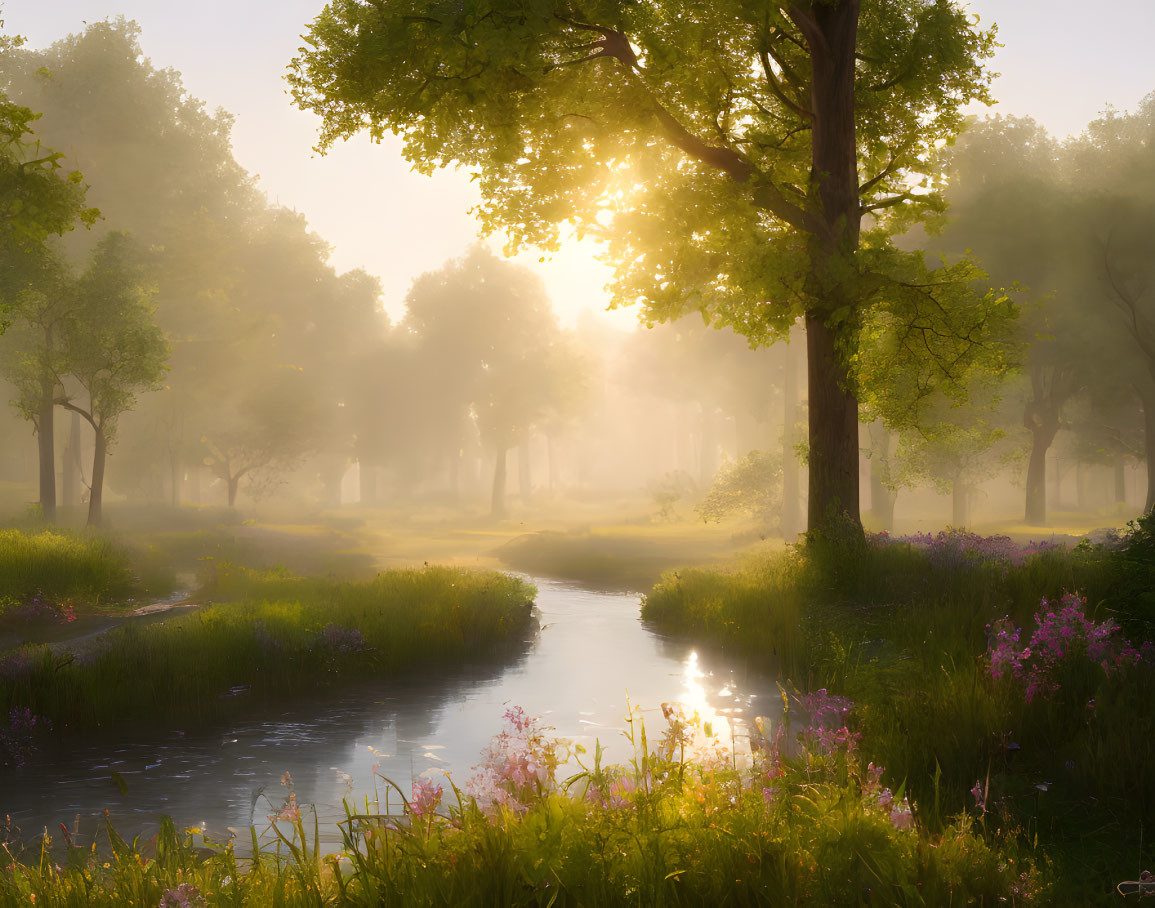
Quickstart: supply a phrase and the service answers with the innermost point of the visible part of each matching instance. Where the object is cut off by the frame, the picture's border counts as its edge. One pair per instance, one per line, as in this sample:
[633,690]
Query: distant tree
[488,340]
[1113,166]
[1009,205]
[727,151]
[37,304]
[39,198]
[751,486]
[112,348]
[1072,224]
[268,431]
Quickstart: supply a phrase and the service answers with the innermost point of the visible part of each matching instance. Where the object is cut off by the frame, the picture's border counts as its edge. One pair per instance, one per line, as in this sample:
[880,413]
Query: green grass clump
[906,638]
[288,636]
[88,568]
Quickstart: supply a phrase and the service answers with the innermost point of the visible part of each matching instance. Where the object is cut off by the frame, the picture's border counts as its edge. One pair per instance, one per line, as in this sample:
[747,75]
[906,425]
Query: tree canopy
[727,153]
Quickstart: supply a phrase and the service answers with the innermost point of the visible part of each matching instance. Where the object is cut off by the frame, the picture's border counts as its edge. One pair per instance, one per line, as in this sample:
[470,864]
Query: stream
[589,654]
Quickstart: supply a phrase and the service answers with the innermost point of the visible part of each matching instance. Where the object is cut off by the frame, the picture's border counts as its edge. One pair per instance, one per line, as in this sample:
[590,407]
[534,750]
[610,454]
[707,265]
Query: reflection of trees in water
[216,776]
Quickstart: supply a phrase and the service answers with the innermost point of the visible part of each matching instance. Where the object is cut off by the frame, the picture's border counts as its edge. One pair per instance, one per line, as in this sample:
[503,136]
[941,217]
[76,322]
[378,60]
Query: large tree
[727,151]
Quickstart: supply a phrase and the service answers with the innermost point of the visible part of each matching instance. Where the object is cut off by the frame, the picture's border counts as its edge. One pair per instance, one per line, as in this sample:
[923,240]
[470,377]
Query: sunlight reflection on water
[591,656]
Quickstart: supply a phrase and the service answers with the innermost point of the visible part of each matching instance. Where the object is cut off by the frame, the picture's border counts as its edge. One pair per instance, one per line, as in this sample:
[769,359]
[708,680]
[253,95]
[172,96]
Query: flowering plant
[1061,634]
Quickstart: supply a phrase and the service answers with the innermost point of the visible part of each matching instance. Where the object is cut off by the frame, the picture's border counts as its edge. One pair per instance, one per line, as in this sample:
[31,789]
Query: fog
[287,388]
[691,365]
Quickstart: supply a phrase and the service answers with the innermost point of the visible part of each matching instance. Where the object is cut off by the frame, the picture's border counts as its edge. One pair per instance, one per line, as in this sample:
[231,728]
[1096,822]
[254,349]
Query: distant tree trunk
[232,484]
[1148,398]
[1055,476]
[194,481]
[1120,478]
[96,493]
[497,505]
[1041,419]
[524,477]
[175,473]
[366,483]
[790,516]
[959,492]
[70,492]
[1081,485]
[882,496]
[46,444]
[1037,478]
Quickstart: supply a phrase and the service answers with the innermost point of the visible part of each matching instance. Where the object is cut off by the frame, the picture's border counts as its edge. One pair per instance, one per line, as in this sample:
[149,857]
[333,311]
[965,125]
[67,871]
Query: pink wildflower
[426,797]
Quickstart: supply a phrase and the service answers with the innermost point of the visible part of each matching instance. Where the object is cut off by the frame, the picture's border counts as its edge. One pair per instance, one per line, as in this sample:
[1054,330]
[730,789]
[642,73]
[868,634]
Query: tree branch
[69,405]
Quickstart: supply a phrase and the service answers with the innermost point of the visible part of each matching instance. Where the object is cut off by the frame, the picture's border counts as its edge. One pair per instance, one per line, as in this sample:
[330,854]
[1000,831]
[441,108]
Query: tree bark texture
[833,422]
[831,31]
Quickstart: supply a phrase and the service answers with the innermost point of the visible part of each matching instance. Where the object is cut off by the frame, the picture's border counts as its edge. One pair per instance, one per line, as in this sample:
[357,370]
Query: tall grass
[906,638]
[288,635]
[88,567]
[818,829]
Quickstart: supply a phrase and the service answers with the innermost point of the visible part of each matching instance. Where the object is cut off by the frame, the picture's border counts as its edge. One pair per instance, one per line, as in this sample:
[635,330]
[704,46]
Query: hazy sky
[1059,64]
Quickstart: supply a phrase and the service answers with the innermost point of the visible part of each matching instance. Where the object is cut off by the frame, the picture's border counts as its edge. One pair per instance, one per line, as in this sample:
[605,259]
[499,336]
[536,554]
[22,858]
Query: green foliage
[88,568]
[37,200]
[907,639]
[110,342]
[286,635]
[715,150]
[751,486]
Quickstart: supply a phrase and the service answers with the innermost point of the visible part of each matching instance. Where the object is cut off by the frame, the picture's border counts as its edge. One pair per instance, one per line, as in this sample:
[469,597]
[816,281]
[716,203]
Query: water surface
[589,654]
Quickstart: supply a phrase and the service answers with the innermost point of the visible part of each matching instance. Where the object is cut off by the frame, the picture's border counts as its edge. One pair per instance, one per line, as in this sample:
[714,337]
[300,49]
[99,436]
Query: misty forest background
[272,383]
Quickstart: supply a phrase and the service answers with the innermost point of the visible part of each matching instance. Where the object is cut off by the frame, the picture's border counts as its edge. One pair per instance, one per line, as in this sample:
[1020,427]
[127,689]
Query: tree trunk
[790,517]
[70,491]
[96,493]
[833,433]
[46,443]
[174,478]
[524,477]
[1041,439]
[958,494]
[1149,439]
[497,505]
[233,484]
[1041,418]
[1055,475]
[834,484]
